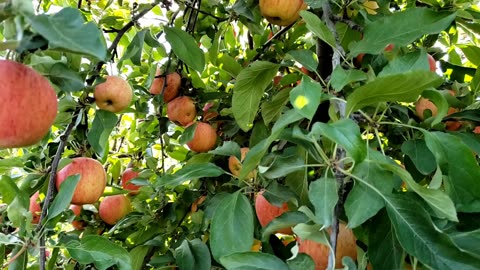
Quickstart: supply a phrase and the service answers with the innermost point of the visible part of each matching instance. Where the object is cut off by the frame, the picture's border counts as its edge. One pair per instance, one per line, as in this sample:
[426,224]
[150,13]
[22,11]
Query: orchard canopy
[247,134]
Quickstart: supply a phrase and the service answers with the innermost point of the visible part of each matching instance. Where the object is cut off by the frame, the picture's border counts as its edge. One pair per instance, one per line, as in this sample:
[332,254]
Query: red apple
[174,81]
[128,175]
[281,12]
[113,95]
[114,208]
[92,182]
[235,165]
[77,210]
[389,47]
[182,110]
[432,63]
[35,208]
[204,138]
[266,212]
[29,105]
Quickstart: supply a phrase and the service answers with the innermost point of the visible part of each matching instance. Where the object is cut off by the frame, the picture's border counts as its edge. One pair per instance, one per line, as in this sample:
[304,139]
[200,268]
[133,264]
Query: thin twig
[349,22]
[20,252]
[268,42]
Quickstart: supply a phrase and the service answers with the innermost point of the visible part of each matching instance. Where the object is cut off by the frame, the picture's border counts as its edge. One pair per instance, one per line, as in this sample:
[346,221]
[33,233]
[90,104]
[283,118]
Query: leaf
[193,255]
[306,96]
[232,226]
[346,133]
[405,87]
[138,255]
[323,194]
[248,91]
[185,47]
[341,78]
[229,148]
[253,261]
[98,135]
[271,109]
[190,172]
[306,58]
[318,28]
[422,157]
[472,53]
[134,49]
[99,251]
[285,220]
[67,79]
[440,102]
[64,197]
[391,29]
[12,162]
[283,165]
[67,30]
[416,60]
[417,235]
[229,64]
[301,262]
[467,241]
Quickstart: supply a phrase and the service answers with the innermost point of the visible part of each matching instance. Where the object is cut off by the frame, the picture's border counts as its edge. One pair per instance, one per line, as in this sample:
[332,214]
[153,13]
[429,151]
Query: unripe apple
[432,63]
[29,105]
[204,138]
[114,208]
[281,12]
[266,212]
[113,95]
[182,110]
[128,175]
[172,88]
[77,224]
[35,208]
[346,246]
[235,165]
[93,179]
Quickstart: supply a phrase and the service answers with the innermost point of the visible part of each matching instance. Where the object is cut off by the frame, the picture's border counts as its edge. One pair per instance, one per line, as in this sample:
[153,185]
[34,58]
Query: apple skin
[432,63]
[266,212]
[281,12]
[174,81]
[182,110]
[346,246]
[35,208]
[235,165]
[423,104]
[204,138]
[29,105]
[93,179]
[77,224]
[113,95]
[128,175]
[114,208]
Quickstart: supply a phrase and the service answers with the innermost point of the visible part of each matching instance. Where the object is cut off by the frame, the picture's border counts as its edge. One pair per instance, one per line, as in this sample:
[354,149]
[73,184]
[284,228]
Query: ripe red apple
[113,95]
[35,208]
[92,182]
[204,138]
[29,105]
[389,47]
[77,224]
[114,208]
[172,88]
[346,246]
[182,110]
[235,165]
[128,175]
[432,63]
[266,212]
[281,12]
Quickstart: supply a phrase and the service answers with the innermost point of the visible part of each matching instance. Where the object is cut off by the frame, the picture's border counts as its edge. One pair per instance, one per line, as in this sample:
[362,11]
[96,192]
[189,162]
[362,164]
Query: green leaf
[64,197]
[99,251]
[248,91]
[283,165]
[185,47]
[346,133]
[467,241]
[138,255]
[9,163]
[103,124]
[68,31]
[229,64]
[318,28]
[422,157]
[312,232]
[232,226]
[253,261]
[67,79]
[472,53]
[134,49]
[190,172]
[416,60]
[391,29]
[417,235]
[285,220]
[306,97]
[17,200]
[306,58]
[229,148]
[301,262]
[21,259]
[405,87]
[341,78]
[271,109]
[323,194]
[193,255]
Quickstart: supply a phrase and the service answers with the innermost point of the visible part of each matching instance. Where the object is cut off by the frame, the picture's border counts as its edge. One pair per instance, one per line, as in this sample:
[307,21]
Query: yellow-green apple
[35,208]
[128,175]
[93,179]
[346,246]
[77,210]
[172,87]
[113,95]
[182,110]
[29,105]
[204,138]
[235,165]
[281,12]
[113,208]
[266,212]
[432,63]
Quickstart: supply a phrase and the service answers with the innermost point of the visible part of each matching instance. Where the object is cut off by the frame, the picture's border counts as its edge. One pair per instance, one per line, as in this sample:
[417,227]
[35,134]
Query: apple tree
[270,134]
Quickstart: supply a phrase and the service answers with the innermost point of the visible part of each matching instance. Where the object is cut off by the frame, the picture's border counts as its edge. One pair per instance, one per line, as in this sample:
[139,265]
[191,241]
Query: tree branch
[269,42]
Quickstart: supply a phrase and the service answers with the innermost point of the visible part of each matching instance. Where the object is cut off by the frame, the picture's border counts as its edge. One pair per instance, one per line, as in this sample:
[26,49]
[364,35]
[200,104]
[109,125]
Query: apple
[476,130]
[281,12]
[174,81]
[29,105]
[204,138]
[93,179]
[113,95]
[266,212]
[235,165]
[128,175]
[114,208]
[35,208]
[423,104]
[182,110]
[77,210]
[346,246]
[389,47]
[432,63]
